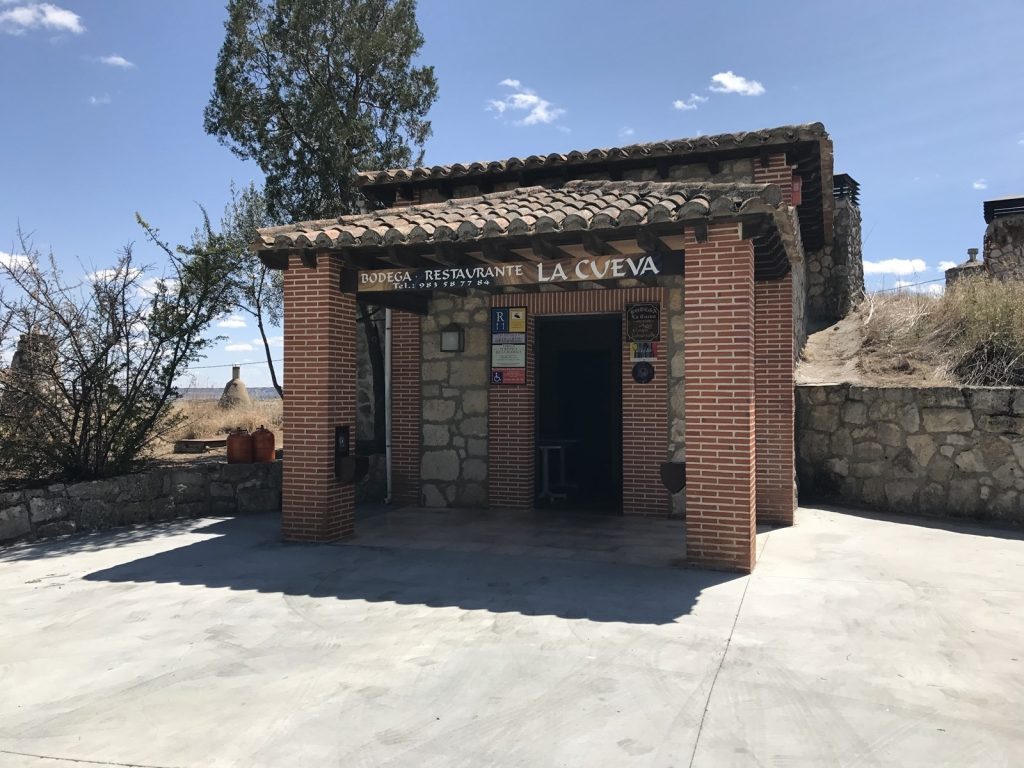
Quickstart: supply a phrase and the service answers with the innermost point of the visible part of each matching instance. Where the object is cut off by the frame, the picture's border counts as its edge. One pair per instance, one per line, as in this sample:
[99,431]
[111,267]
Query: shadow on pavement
[96,541]
[247,554]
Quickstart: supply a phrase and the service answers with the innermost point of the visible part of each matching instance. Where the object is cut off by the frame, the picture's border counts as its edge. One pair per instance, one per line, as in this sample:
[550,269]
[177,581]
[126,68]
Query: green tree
[251,287]
[315,90]
[91,384]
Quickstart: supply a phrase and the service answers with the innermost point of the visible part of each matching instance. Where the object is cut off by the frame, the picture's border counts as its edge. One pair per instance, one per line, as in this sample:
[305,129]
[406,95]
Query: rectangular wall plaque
[643,322]
[508,345]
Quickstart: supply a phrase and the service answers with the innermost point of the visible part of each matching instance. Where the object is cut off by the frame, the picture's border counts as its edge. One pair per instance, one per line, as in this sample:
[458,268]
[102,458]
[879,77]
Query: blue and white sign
[499,319]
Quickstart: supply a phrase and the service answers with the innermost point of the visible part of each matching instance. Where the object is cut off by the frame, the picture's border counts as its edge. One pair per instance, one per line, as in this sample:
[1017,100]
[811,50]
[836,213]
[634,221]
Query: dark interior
[579,409]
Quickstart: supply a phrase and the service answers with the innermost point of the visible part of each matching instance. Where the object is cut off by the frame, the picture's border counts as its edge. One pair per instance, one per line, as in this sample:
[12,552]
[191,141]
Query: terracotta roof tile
[782,135]
[576,206]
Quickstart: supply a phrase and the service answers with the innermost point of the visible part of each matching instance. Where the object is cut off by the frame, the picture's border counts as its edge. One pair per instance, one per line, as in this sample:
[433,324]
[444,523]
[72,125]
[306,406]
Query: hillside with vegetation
[973,334]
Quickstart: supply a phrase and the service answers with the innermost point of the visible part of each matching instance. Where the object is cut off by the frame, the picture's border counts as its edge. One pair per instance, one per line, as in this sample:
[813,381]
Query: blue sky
[103,109]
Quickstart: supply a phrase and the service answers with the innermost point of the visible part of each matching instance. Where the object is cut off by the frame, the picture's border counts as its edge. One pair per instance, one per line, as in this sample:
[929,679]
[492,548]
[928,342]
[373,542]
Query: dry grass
[204,418]
[973,334]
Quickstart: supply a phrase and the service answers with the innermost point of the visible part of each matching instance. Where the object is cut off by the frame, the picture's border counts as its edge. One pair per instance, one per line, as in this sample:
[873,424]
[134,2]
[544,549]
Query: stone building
[564,325]
[1003,247]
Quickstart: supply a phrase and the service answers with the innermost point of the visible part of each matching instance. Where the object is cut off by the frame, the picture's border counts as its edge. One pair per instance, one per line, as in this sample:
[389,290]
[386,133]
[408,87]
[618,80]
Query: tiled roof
[527,211]
[786,134]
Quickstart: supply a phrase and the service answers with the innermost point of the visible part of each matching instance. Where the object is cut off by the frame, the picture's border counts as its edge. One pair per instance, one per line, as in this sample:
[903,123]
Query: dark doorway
[579,412]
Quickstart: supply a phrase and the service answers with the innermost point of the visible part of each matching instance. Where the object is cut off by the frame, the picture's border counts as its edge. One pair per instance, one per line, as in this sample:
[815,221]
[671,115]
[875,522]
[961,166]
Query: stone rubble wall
[453,468]
[939,451]
[198,490]
[676,356]
[1004,248]
[835,273]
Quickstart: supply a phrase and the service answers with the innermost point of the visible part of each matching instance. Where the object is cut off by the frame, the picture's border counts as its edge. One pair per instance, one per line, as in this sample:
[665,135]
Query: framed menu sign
[643,322]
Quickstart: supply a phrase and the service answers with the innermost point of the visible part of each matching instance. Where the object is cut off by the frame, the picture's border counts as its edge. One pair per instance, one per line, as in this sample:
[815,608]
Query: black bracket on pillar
[700,231]
[308,259]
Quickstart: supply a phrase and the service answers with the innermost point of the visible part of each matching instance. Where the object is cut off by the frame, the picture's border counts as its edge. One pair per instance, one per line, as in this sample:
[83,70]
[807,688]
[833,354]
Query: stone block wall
[1004,248]
[453,467]
[675,354]
[945,452]
[835,273]
[198,490]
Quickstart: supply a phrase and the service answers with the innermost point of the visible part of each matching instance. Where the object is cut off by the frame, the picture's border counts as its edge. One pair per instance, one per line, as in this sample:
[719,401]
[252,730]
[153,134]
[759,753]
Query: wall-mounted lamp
[452,339]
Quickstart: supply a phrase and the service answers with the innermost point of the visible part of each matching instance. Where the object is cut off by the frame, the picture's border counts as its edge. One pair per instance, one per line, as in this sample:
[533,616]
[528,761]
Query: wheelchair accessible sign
[508,345]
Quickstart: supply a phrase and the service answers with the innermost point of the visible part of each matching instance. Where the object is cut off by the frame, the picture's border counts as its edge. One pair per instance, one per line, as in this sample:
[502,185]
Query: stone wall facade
[835,273]
[1004,248]
[453,467]
[197,490]
[676,356]
[946,452]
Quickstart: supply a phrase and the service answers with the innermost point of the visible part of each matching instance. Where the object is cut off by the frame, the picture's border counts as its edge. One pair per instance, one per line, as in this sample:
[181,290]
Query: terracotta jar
[239,447]
[263,445]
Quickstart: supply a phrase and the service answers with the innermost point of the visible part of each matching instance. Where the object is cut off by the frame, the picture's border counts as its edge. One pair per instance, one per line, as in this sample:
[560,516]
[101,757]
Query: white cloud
[274,341]
[149,286]
[1021,139]
[113,60]
[626,132]
[979,184]
[21,18]
[239,348]
[111,274]
[98,101]
[233,321]
[12,260]
[695,101]
[944,265]
[730,82]
[894,267]
[523,99]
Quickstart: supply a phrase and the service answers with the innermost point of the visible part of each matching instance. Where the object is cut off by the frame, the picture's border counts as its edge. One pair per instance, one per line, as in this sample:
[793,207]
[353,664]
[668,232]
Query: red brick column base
[773,355]
[719,353]
[406,408]
[319,394]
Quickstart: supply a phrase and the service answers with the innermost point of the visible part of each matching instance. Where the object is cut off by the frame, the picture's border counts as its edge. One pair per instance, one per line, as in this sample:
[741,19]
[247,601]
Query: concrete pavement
[858,641]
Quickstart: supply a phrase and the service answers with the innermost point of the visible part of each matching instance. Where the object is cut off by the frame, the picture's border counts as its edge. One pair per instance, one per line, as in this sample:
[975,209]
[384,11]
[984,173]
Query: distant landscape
[214,393]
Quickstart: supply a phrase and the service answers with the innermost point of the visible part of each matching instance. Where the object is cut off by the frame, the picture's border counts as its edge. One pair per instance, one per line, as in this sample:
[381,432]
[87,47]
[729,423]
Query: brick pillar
[510,440]
[773,365]
[406,408]
[320,393]
[719,355]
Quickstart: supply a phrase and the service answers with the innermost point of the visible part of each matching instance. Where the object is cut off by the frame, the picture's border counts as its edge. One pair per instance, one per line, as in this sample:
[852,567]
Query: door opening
[579,412]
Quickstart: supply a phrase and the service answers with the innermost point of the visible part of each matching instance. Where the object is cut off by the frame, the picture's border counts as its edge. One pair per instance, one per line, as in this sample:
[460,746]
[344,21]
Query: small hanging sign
[643,322]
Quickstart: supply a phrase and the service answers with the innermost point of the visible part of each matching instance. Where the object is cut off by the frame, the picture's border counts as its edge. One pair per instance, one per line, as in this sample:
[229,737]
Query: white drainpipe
[387,398]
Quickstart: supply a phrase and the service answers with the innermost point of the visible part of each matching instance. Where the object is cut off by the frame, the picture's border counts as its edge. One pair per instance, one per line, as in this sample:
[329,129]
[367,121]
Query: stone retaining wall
[197,490]
[940,451]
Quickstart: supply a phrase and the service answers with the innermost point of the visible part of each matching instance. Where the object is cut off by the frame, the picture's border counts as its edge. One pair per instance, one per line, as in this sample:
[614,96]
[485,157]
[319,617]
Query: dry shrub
[975,331]
[895,322]
[984,321]
[205,418]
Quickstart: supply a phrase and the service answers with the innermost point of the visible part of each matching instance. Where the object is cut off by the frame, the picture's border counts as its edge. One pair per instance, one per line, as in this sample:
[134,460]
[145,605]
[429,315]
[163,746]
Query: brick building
[563,326]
